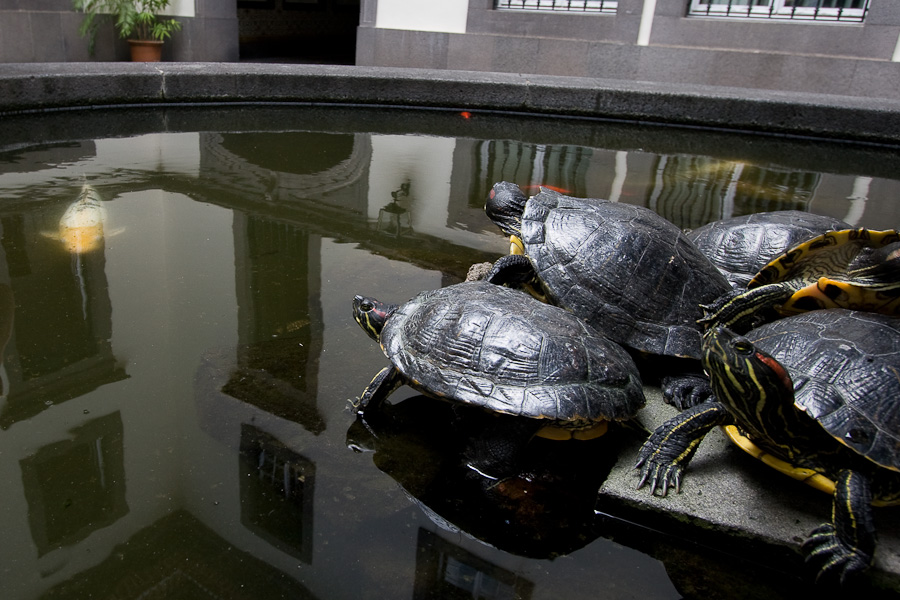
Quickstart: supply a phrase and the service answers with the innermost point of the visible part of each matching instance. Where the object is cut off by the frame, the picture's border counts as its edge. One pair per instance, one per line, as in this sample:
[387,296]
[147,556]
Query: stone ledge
[48,86]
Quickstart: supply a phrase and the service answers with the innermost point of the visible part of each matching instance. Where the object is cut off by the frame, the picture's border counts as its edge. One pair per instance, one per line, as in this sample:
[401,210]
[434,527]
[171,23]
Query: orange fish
[537,188]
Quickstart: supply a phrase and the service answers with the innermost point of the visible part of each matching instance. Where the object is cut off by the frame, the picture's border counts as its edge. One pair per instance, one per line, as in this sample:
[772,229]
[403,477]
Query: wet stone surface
[732,501]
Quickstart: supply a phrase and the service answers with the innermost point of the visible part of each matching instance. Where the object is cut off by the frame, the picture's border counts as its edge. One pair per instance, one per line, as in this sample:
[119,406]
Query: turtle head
[744,377]
[505,205]
[372,315]
[877,265]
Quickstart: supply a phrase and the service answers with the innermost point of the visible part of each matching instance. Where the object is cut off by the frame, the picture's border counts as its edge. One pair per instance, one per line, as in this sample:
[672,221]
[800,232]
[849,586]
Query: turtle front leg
[666,453]
[685,391]
[382,385]
[516,271]
[845,546]
[512,269]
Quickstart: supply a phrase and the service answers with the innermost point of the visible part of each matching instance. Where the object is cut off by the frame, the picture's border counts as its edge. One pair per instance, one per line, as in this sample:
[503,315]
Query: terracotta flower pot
[145,50]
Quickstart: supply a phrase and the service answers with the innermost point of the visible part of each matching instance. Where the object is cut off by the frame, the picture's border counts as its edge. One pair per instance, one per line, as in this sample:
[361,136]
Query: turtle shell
[741,246]
[827,272]
[500,349]
[630,273]
[844,365]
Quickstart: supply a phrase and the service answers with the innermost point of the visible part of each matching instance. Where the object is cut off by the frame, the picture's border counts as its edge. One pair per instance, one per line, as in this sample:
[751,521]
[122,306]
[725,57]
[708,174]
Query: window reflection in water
[76,486]
[279,316]
[277,487]
[444,570]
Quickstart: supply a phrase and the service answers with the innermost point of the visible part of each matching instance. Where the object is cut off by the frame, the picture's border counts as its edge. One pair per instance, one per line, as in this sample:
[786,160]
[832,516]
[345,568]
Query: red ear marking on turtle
[776,367]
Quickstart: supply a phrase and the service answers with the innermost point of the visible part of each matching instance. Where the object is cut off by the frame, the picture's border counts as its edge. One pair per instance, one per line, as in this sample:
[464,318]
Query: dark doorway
[308,31]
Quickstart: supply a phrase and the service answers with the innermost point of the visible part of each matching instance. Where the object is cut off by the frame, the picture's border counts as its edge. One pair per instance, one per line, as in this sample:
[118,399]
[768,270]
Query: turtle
[479,344]
[741,246]
[850,268]
[813,395]
[628,272]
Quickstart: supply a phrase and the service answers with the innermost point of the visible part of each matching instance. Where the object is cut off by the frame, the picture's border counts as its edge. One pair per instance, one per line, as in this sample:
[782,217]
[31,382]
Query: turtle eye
[366,306]
[742,346]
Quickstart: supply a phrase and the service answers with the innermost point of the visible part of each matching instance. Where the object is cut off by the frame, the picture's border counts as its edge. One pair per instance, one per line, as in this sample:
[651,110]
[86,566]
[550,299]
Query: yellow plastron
[851,296]
[807,476]
[555,432]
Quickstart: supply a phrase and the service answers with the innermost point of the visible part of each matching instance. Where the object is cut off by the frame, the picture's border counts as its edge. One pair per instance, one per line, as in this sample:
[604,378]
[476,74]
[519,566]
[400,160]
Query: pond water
[174,415]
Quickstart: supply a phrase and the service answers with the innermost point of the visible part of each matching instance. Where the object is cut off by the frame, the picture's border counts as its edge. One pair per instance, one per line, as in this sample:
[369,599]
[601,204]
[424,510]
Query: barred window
[592,6]
[804,10]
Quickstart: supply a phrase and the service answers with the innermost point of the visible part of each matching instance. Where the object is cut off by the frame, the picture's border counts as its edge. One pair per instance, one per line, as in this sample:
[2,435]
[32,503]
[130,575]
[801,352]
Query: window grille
[801,10]
[592,6]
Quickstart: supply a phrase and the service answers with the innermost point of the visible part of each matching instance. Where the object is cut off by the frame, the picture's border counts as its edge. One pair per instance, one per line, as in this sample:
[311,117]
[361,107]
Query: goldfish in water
[537,188]
[81,228]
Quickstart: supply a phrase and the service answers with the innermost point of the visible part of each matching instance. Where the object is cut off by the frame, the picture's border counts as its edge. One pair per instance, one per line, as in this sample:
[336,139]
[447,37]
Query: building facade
[847,47]
[844,47]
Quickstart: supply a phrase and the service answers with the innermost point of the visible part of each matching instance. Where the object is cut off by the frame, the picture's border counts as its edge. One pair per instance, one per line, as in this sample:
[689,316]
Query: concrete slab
[733,501]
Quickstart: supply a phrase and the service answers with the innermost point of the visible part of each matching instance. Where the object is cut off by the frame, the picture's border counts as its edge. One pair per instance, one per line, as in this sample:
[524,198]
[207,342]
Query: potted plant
[137,21]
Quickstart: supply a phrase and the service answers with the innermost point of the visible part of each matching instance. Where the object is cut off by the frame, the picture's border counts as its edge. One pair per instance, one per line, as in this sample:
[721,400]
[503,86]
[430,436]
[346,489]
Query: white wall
[181,8]
[447,16]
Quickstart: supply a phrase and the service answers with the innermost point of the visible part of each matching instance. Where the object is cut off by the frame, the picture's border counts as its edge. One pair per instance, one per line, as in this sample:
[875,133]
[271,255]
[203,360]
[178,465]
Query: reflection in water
[178,556]
[62,303]
[694,190]
[246,232]
[276,492]
[562,167]
[543,509]
[280,319]
[76,486]
[7,314]
[444,570]
[393,219]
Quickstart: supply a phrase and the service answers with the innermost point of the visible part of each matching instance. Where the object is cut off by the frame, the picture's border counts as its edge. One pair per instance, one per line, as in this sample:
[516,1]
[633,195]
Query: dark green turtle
[741,246]
[815,396]
[852,268]
[625,270]
[499,349]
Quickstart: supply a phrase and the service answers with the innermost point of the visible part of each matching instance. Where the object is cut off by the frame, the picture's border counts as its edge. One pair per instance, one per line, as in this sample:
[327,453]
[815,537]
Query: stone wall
[844,59]
[47,31]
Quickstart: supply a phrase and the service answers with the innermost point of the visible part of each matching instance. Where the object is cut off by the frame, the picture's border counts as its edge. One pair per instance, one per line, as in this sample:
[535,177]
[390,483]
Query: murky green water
[174,416]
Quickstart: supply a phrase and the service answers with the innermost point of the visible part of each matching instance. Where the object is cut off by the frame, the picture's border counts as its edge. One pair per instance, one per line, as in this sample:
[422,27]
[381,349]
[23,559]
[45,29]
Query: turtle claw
[685,391]
[661,475]
[667,452]
[835,560]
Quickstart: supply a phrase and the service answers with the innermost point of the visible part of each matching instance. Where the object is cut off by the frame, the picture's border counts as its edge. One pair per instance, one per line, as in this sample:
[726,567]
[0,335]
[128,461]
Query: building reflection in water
[75,320]
[276,493]
[444,570]
[689,190]
[279,319]
[76,486]
[178,556]
[694,190]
